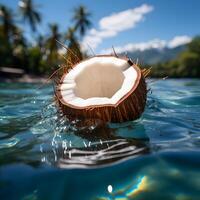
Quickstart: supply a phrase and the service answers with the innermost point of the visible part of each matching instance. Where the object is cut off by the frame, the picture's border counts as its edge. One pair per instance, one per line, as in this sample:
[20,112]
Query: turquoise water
[43,156]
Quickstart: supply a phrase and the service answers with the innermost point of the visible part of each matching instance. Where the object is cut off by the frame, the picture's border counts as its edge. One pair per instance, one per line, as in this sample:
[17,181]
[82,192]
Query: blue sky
[125,24]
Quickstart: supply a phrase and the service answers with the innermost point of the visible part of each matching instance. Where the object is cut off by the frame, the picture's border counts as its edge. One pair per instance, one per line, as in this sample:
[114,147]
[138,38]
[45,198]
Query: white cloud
[155,43]
[179,40]
[94,38]
[124,20]
[110,26]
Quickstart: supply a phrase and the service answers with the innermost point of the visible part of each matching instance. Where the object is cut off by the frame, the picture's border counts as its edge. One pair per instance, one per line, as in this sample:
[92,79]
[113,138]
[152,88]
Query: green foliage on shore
[40,56]
[187,63]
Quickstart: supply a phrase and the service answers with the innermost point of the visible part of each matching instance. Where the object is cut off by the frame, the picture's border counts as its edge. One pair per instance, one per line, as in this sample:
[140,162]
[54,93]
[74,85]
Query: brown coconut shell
[129,107]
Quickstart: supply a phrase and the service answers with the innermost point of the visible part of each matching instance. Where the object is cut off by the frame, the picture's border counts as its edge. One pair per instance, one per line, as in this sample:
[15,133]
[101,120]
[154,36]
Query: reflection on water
[78,146]
[101,146]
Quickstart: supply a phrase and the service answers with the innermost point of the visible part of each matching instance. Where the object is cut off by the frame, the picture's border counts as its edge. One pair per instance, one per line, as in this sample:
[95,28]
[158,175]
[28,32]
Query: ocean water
[45,157]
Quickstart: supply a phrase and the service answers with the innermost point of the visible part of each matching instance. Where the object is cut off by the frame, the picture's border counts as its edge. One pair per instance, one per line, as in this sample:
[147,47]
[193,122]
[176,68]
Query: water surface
[43,156]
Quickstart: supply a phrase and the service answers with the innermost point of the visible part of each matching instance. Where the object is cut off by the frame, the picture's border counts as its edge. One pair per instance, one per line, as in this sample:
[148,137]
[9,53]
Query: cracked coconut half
[108,88]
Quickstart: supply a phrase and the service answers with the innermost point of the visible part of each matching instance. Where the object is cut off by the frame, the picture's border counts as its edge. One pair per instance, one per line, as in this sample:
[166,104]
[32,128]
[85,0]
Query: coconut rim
[60,98]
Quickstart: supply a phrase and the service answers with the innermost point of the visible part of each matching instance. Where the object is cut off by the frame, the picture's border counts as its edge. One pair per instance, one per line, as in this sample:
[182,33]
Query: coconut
[106,88]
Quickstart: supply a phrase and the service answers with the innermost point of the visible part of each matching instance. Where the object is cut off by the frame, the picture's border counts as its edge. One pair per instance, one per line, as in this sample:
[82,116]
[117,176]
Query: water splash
[33,131]
[75,146]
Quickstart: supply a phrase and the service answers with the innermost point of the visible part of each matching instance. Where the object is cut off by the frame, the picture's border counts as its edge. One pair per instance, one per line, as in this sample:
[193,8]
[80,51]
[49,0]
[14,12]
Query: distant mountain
[153,56]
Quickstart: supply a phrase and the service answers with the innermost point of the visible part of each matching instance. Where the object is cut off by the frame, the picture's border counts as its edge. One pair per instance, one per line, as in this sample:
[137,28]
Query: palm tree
[6,36]
[19,48]
[52,45]
[18,37]
[81,19]
[40,41]
[70,35]
[30,13]
[74,54]
[6,19]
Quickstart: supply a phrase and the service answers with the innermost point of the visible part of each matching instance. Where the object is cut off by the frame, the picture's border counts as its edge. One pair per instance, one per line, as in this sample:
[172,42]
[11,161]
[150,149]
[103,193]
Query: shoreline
[24,79]
[36,79]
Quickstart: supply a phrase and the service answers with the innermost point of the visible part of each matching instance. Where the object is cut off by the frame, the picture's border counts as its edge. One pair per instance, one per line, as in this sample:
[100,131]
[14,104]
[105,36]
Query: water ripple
[33,131]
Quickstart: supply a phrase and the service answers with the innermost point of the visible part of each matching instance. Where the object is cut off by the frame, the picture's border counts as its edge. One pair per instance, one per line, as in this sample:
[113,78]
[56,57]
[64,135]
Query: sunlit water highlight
[154,157]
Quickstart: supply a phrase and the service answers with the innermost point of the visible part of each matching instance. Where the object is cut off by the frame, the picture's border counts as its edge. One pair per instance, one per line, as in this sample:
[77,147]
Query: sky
[124,24]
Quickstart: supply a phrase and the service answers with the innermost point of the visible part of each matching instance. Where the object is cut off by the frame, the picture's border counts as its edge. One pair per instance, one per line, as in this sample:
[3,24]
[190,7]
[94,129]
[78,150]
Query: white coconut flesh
[98,81]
